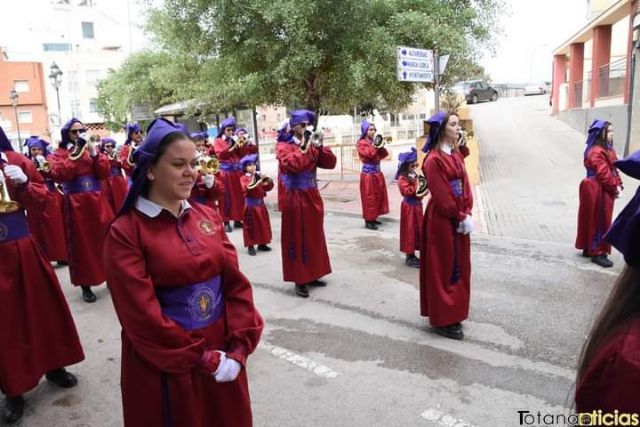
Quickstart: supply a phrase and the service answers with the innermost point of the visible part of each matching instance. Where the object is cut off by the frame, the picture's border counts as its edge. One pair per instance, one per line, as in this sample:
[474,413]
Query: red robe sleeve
[101,166]
[326,158]
[244,183]
[212,194]
[222,150]
[407,187]
[292,160]
[157,338]
[370,154]
[464,151]
[441,197]
[124,156]
[31,195]
[599,162]
[63,169]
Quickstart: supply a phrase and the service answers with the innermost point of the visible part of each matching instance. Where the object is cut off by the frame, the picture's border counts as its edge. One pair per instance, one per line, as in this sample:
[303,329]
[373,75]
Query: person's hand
[40,159]
[93,150]
[228,370]
[15,174]
[208,180]
[467,225]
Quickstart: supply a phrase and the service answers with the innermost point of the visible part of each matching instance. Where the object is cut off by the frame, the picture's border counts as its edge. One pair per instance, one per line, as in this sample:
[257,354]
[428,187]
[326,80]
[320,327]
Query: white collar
[152,209]
[446,148]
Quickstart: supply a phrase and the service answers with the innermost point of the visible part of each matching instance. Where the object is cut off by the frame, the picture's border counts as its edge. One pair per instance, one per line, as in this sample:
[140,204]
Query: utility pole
[633,134]
[436,80]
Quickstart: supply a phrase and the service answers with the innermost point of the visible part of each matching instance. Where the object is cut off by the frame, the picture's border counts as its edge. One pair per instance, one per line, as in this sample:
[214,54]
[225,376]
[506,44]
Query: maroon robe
[38,334]
[115,187]
[411,215]
[47,225]
[612,379]
[86,214]
[162,371]
[232,204]
[373,189]
[208,196]
[123,155]
[304,249]
[257,227]
[597,193]
[445,262]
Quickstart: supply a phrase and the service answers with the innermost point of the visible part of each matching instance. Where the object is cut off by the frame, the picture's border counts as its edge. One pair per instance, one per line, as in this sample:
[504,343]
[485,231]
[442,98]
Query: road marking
[301,361]
[442,419]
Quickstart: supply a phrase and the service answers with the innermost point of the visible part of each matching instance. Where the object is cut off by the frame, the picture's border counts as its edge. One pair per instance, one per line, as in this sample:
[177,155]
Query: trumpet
[462,138]
[257,180]
[422,188]
[311,138]
[380,141]
[43,166]
[208,165]
[6,204]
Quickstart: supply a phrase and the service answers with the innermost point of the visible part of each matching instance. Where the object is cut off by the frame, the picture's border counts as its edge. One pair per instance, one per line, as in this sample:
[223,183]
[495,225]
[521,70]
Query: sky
[531,30]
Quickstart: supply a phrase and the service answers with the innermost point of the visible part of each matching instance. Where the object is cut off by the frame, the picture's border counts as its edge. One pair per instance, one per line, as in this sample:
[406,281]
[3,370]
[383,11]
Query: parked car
[535,89]
[476,90]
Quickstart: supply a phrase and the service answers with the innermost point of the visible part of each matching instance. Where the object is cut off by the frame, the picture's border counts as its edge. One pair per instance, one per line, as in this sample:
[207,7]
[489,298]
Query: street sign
[414,65]
[141,112]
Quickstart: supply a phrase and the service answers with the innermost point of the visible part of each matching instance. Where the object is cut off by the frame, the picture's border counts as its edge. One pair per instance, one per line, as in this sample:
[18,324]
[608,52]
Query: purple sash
[413,201]
[115,171]
[200,199]
[82,184]
[50,184]
[230,166]
[254,201]
[13,226]
[299,181]
[456,187]
[370,167]
[192,306]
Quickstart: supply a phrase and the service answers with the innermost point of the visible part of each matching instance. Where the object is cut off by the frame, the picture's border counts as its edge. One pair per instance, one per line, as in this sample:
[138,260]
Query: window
[21,86]
[73,81]
[93,76]
[87,30]
[56,47]
[75,109]
[93,105]
[25,117]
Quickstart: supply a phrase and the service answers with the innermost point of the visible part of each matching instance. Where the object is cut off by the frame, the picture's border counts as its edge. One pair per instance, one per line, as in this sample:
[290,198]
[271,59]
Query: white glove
[93,150]
[15,174]
[208,180]
[40,159]
[228,369]
[465,226]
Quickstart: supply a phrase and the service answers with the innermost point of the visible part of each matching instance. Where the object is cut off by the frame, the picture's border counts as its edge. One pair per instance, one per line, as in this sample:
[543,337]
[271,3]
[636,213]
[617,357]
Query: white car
[535,89]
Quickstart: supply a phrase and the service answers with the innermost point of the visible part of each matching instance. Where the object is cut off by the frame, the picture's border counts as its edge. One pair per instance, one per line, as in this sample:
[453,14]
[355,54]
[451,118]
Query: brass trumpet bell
[208,165]
[422,188]
[6,204]
[380,141]
[257,180]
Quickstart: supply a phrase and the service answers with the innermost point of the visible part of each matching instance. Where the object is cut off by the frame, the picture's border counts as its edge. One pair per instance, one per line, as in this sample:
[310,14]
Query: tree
[144,78]
[329,54]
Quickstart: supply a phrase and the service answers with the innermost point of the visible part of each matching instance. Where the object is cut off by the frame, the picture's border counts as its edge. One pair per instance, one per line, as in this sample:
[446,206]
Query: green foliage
[324,55]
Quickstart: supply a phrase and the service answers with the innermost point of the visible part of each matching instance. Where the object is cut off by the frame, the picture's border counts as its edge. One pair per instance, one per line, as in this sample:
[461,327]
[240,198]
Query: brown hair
[623,304]
[601,139]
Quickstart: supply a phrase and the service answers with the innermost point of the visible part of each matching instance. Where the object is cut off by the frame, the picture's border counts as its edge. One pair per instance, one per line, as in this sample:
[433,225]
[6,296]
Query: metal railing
[611,78]
[578,88]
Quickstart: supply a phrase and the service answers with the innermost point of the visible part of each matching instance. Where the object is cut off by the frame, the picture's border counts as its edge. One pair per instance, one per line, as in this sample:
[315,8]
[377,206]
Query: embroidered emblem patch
[206,227]
[86,184]
[201,304]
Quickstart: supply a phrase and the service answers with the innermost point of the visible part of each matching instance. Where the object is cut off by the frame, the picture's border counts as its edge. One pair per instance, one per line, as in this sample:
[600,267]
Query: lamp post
[55,76]
[13,95]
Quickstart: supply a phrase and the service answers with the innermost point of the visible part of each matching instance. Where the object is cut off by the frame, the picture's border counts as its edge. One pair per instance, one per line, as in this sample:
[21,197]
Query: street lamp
[55,76]
[13,95]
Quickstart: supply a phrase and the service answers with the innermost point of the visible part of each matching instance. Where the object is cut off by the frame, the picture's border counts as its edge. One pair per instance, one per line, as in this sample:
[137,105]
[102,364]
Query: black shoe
[251,250]
[453,332]
[227,227]
[264,248]
[602,261]
[412,261]
[370,225]
[302,291]
[585,253]
[88,295]
[318,283]
[62,263]
[13,409]
[62,378]
[376,222]
[237,224]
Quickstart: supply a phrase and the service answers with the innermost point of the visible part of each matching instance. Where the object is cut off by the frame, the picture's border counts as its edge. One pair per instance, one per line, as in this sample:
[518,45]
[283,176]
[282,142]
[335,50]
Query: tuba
[6,204]
[380,141]
[257,180]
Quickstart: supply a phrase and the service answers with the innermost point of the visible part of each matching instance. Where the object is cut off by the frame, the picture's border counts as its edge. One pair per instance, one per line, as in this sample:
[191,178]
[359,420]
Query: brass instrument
[208,165]
[6,204]
[42,167]
[257,180]
[78,150]
[316,138]
[422,188]
[380,141]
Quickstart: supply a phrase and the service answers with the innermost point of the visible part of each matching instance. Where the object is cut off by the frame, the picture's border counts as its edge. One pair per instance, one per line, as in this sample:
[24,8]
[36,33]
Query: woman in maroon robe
[229,151]
[115,186]
[187,313]
[608,376]
[47,225]
[134,138]
[598,190]
[257,228]
[305,258]
[87,213]
[445,262]
[38,336]
[373,188]
[411,213]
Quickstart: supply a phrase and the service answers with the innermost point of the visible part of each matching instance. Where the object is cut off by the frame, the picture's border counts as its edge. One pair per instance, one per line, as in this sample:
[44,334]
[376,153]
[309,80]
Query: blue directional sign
[415,65]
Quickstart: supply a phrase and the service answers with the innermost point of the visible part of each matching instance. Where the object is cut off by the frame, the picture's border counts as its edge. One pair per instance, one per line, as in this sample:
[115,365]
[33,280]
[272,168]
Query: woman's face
[610,134]
[35,151]
[250,168]
[228,132]
[452,129]
[174,174]
[371,132]
[74,132]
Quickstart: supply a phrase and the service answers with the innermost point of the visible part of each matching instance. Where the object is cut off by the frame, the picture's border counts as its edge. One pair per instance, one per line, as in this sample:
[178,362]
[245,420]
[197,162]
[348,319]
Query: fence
[611,78]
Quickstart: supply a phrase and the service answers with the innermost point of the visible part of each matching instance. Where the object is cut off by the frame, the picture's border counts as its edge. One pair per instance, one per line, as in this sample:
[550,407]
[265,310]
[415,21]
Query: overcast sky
[531,31]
